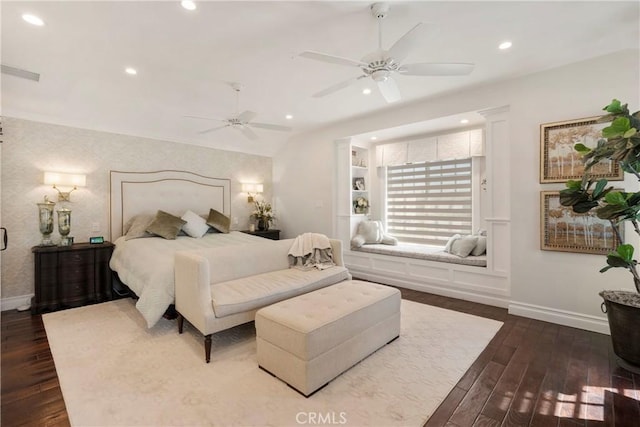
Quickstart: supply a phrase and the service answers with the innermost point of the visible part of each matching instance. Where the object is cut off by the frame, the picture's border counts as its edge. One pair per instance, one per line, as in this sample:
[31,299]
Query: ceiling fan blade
[246,132]
[389,90]
[338,86]
[332,59]
[206,118]
[427,69]
[269,126]
[246,116]
[212,129]
[407,43]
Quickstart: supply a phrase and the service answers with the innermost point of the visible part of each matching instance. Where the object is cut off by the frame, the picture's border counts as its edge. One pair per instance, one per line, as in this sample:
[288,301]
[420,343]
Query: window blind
[429,202]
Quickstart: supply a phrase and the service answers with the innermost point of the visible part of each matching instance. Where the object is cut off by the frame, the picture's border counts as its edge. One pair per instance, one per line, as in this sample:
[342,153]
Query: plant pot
[263,225]
[623,313]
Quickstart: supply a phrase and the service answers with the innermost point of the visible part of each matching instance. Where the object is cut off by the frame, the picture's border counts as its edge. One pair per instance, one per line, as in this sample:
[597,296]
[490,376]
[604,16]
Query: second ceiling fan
[241,121]
[382,64]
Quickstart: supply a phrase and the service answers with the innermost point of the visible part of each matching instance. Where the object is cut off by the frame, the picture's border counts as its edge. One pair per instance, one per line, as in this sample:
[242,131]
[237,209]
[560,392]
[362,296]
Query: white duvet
[146,266]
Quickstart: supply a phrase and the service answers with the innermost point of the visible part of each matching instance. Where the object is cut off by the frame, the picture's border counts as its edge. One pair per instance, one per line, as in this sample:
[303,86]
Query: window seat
[431,253]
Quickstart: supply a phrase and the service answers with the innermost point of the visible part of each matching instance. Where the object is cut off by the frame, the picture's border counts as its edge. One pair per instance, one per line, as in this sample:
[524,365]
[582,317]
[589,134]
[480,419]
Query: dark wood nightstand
[267,234]
[71,276]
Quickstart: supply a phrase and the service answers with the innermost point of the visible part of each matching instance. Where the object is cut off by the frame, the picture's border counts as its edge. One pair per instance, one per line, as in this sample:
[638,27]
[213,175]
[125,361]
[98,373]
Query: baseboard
[561,317]
[12,303]
[496,301]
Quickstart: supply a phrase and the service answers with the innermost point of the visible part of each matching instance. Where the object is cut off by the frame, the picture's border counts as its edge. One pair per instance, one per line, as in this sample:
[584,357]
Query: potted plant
[621,144]
[360,205]
[264,214]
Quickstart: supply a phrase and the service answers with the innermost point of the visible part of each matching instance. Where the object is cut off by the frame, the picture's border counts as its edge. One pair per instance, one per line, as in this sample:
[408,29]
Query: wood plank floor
[531,374]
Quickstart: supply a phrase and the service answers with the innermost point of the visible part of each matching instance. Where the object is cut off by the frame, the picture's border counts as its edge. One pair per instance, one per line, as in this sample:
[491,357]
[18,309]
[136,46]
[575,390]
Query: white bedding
[146,266]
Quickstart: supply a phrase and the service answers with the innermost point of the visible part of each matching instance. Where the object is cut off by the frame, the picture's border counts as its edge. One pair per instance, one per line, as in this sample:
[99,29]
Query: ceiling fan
[241,121]
[382,64]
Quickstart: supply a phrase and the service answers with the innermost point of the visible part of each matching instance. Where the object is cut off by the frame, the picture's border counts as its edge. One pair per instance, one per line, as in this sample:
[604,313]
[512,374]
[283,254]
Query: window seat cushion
[430,253]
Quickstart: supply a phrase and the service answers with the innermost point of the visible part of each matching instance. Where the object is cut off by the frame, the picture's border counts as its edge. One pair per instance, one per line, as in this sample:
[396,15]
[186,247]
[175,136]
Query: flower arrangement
[360,205]
[263,212]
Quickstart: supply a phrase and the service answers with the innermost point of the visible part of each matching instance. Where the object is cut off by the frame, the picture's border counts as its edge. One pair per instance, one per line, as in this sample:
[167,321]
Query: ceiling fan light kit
[382,64]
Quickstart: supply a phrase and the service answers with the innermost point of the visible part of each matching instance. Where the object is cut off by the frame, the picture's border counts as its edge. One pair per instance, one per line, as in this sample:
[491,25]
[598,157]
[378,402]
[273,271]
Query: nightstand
[71,276]
[267,234]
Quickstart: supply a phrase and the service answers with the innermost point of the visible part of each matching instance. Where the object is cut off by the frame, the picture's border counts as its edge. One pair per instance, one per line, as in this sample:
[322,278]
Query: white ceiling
[185,59]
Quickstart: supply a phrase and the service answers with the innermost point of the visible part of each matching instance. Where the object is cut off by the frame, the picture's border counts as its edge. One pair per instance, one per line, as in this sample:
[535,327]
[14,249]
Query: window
[429,202]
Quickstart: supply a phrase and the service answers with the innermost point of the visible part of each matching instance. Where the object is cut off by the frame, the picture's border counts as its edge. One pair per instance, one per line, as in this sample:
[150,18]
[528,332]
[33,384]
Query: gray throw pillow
[464,245]
[136,227]
[166,225]
[452,239]
[481,246]
[219,221]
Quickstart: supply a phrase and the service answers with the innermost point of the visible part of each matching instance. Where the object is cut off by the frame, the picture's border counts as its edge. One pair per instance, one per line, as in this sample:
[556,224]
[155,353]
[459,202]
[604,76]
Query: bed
[146,265]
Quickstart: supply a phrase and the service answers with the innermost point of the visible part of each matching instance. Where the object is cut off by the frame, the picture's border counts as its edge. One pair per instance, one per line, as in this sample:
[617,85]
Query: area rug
[114,371]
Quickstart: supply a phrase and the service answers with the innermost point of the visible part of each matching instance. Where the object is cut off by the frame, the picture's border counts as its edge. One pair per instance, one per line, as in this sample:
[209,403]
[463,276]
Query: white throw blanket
[311,250]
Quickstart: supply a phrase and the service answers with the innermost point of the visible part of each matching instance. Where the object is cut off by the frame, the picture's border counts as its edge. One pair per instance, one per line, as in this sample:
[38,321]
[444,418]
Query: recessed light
[373,138]
[288,117]
[505,45]
[131,71]
[464,121]
[366,91]
[188,4]
[33,20]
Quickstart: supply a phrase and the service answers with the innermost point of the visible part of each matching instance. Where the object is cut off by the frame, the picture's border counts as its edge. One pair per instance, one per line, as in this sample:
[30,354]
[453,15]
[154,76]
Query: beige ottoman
[309,340]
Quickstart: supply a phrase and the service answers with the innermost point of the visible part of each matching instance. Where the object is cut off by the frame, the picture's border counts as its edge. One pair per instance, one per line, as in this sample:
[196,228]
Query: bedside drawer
[75,258]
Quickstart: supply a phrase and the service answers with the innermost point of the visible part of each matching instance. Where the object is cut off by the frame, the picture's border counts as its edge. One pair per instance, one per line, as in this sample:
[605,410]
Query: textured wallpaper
[30,148]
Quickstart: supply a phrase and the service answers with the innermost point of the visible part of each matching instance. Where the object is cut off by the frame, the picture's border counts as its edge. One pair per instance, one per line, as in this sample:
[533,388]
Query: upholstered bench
[309,340]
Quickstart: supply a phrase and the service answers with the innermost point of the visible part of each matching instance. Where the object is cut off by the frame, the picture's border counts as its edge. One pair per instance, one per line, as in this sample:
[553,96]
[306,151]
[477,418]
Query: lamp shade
[252,188]
[65,179]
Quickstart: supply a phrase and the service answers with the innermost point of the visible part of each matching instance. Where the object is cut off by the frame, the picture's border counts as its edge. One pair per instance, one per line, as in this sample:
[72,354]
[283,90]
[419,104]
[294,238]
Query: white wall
[30,148]
[551,285]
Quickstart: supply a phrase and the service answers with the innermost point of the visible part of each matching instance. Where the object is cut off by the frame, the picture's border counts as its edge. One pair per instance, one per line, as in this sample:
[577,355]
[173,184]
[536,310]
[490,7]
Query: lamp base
[66,241]
[46,241]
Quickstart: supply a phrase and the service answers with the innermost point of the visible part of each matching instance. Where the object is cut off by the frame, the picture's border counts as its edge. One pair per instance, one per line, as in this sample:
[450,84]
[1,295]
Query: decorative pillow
[219,221]
[464,245]
[136,227]
[357,241]
[166,225]
[196,226]
[481,246]
[370,232]
[447,247]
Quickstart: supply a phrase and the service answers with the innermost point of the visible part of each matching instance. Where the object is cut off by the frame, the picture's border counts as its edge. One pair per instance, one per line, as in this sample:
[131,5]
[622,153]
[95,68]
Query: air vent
[17,72]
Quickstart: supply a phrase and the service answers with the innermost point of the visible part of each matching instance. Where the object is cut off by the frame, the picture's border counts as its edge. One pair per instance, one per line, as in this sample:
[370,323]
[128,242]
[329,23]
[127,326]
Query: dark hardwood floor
[531,374]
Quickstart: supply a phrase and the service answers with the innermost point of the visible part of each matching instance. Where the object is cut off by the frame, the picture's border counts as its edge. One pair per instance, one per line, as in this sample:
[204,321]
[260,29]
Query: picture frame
[359,184]
[563,230]
[560,162]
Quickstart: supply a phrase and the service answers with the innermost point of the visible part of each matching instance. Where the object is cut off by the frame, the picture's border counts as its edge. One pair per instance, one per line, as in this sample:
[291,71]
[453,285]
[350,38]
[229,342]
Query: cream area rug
[114,371]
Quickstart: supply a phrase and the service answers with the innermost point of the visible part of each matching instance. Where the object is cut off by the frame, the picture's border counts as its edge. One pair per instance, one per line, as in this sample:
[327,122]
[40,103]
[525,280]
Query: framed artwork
[560,162]
[358,184]
[563,230]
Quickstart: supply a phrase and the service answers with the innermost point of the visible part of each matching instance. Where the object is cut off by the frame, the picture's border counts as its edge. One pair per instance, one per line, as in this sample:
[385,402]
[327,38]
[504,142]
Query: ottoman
[309,340]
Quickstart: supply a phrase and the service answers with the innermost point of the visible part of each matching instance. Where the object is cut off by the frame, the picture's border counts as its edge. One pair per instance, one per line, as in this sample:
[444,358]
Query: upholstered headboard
[134,193]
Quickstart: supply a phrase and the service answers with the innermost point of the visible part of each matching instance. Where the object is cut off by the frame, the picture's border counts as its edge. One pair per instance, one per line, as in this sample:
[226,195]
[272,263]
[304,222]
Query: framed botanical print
[560,162]
[563,230]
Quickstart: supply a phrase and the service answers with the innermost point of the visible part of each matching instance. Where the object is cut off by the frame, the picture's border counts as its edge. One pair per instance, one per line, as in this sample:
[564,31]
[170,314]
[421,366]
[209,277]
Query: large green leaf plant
[620,143]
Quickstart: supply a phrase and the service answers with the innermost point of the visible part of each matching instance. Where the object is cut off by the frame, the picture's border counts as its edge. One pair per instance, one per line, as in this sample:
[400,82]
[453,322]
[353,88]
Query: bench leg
[207,347]
[180,323]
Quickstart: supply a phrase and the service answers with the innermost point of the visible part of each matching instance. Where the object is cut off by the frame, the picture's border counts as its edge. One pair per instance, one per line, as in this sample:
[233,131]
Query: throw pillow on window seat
[463,246]
[372,232]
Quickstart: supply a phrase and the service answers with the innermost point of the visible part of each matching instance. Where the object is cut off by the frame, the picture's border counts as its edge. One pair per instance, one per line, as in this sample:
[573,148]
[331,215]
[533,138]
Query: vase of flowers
[360,205]
[263,213]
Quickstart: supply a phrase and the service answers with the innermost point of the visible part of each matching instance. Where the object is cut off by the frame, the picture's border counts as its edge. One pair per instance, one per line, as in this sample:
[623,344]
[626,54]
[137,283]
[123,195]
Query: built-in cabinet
[360,180]
[353,192]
